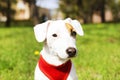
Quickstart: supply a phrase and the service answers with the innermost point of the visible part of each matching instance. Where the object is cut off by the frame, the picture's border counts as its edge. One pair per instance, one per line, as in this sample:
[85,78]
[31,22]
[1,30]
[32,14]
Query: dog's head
[59,36]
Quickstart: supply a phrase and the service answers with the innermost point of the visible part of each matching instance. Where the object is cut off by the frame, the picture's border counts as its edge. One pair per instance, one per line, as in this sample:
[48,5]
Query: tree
[85,8]
[114,6]
[34,11]
[68,7]
[5,8]
[77,9]
[8,12]
[99,5]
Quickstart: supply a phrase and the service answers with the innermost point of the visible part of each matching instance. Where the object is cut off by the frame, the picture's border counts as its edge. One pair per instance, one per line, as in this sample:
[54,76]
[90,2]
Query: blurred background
[37,11]
[98,50]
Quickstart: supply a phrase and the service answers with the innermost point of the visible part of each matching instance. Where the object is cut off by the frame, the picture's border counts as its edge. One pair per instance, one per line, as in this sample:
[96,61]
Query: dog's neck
[52,59]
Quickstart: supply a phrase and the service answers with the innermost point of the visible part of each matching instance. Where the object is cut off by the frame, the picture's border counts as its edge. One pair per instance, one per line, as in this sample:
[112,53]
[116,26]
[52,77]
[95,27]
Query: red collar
[55,72]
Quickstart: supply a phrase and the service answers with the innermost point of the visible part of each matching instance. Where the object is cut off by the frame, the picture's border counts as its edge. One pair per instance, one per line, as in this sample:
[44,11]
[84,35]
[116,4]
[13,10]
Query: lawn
[98,53]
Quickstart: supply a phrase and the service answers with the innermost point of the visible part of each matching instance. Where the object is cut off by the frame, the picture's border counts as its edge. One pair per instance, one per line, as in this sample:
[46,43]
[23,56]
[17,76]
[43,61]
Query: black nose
[71,51]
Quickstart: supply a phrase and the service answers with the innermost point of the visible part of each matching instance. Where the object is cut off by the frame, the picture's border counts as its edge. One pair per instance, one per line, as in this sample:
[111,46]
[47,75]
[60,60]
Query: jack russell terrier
[59,39]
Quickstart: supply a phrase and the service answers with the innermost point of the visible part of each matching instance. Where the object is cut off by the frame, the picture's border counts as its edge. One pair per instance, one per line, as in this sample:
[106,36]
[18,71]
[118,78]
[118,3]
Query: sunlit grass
[98,53]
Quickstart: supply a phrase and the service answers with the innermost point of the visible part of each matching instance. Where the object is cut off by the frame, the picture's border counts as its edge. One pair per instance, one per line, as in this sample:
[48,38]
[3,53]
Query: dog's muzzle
[71,51]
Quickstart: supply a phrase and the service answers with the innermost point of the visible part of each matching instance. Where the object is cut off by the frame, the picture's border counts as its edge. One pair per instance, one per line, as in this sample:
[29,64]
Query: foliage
[5,8]
[34,11]
[114,5]
[81,8]
[84,8]
[98,53]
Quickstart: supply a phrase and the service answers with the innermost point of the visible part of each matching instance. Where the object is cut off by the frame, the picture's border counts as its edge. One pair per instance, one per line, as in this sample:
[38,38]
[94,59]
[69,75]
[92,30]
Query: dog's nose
[71,51]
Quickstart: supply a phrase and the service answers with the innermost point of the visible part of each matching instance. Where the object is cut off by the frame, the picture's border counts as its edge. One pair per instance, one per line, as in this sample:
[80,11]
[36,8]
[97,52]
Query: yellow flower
[36,52]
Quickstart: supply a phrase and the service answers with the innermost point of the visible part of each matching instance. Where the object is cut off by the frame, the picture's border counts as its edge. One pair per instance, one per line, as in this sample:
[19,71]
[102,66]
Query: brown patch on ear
[69,27]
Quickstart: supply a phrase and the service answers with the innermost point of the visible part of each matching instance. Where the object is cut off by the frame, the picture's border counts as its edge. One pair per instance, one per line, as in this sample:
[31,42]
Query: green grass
[98,57]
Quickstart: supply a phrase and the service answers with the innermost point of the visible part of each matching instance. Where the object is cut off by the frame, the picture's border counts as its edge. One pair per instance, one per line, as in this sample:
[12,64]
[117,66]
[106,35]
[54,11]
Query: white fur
[54,50]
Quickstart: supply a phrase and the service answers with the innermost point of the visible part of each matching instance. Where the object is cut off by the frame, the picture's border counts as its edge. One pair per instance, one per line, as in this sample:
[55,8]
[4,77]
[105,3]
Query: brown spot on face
[70,29]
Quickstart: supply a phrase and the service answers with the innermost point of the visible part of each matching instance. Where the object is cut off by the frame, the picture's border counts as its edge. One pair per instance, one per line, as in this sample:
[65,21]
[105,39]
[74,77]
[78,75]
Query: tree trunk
[34,12]
[8,12]
[103,11]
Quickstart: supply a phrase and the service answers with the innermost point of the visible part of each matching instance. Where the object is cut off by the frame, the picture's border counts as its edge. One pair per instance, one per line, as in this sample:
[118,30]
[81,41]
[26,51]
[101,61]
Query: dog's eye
[54,35]
[73,33]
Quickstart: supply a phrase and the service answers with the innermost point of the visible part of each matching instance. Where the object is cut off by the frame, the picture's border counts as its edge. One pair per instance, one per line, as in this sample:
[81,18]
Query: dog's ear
[40,31]
[76,25]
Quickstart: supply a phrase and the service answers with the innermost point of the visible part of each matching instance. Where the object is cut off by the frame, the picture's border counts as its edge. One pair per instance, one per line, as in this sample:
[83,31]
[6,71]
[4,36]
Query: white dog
[59,39]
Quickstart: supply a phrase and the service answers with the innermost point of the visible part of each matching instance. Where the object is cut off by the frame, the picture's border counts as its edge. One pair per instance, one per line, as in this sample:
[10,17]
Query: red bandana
[55,72]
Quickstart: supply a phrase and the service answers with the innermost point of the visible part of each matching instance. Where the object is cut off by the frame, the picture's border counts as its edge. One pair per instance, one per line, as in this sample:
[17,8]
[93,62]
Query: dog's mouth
[69,56]
[63,54]
[72,56]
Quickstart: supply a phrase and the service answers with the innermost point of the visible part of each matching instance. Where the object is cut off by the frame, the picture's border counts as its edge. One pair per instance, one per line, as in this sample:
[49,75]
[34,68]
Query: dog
[59,39]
